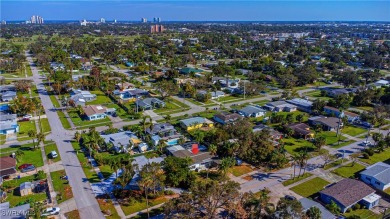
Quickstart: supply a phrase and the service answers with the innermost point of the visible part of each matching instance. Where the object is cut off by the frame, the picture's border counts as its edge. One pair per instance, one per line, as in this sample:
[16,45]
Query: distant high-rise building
[155,20]
[158,20]
[102,20]
[114,20]
[3,22]
[157,28]
[144,20]
[83,23]
[35,19]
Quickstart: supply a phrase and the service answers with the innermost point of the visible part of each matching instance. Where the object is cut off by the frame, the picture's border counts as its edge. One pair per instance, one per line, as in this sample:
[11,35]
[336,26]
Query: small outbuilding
[26,188]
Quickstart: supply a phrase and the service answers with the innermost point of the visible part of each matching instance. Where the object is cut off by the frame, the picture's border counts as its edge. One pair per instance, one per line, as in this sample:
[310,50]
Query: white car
[366,143]
[27,116]
[53,154]
[51,211]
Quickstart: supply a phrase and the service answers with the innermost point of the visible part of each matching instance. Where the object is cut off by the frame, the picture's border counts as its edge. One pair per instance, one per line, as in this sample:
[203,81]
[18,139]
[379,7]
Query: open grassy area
[343,143]
[172,105]
[316,95]
[378,157]
[240,170]
[29,155]
[139,206]
[365,108]
[49,148]
[261,102]
[2,139]
[62,187]
[101,98]
[334,163]
[78,121]
[228,99]
[64,120]
[45,125]
[24,127]
[349,170]
[106,205]
[14,197]
[353,131]
[72,214]
[310,187]
[363,213]
[54,101]
[297,179]
[91,175]
[193,101]
[330,137]
[294,146]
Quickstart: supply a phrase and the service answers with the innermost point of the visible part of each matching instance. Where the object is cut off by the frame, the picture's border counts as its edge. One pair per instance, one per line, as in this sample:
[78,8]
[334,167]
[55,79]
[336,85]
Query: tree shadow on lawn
[304,148]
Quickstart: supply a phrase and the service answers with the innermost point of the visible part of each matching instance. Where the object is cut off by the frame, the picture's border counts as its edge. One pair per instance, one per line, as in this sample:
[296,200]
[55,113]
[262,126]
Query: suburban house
[275,135]
[163,131]
[226,82]
[279,106]
[7,166]
[327,123]
[377,175]
[128,95]
[334,111]
[302,104]
[80,97]
[125,86]
[186,71]
[201,158]
[252,111]
[379,84]
[214,95]
[141,161]
[349,192]
[8,96]
[334,92]
[301,130]
[18,212]
[122,141]
[195,123]
[97,112]
[226,118]
[8,124]
[57,66]
[308,203]
[149,103]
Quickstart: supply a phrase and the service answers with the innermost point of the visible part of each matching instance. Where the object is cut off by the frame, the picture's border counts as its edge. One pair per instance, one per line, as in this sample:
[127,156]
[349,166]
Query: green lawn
[240,170]
[353,131]
[335,163]
[297,179]
[45,125]
[348,170]
[106,205]
[228,98]
[91,175]
[101,98]
[139,206]
[49,148]
[64,120]
[378,157]
[330,137]
[78,121]
[363,213]
[30,156]
[54,101]
[28,70]
[310,187]
[261,102]
[317,95]
[387,191]
[2,139]
[193,101]
[365,108]
[14,197]
[24,127]
[343,143]
[62,187]
[293,145]
[106,171]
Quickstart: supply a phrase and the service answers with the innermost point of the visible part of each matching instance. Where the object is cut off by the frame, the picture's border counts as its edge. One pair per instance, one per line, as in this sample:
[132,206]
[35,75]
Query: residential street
[86,203]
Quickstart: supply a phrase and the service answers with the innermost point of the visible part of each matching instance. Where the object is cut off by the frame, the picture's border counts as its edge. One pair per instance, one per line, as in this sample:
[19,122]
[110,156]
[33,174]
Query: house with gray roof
[8,96]
[122,141]
[80,97]
[8,124]
[279,106]
[377,175]
[214,95]
[201,158]
[252,111]
[302,104]
[149,103]
[163,131]
[349,192]
[308,203]
[327,123]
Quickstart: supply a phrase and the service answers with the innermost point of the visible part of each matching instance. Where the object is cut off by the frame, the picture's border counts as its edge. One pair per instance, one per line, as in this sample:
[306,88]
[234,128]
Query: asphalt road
[85,200]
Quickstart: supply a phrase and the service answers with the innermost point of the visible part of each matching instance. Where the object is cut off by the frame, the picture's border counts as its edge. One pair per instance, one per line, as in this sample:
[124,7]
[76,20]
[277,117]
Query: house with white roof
[377,175]
[80,97]
[302,104]
[252,111]
[124,141]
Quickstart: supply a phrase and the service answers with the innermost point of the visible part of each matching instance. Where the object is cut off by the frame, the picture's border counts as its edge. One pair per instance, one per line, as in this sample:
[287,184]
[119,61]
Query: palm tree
[18,154]
[162,143]
[145,124]
[226,163]
[319,142]
[295,160]
[213,149]
[304,156]
[145,183]
[40,138]
[114,165]
[32,134]
[313,213]
[168,118]
[77,136]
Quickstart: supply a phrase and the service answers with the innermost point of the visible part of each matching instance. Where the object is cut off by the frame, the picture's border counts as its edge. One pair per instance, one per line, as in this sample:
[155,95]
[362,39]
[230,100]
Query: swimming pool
[172,141]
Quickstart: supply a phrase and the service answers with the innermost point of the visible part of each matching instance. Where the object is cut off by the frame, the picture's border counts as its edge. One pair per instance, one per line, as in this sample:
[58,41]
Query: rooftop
[379,171]
[194,120]
[300,102]
[92,110]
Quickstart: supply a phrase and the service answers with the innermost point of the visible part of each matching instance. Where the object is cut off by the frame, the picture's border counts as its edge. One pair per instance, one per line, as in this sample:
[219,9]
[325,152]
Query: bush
[348,210]
[169,192]
[366,156]
[369,151]
[356,206]
[40,175]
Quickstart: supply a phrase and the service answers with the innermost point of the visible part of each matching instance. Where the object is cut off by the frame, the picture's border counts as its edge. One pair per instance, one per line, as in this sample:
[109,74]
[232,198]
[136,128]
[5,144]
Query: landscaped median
[85,165]
[296,179]
[310,187]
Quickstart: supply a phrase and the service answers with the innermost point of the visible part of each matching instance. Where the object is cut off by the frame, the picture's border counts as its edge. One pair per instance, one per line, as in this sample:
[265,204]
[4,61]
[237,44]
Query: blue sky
[201,10]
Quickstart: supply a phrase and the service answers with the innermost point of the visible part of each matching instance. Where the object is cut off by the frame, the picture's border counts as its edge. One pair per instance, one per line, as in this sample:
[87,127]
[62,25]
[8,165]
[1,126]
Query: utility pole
[244,89]
[338,126]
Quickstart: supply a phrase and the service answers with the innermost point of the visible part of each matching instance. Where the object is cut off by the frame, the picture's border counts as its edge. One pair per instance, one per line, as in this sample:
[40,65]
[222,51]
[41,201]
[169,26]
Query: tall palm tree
[77,136]
[162,144]
[32,134]
[145,123]
[145,183]
[213,149]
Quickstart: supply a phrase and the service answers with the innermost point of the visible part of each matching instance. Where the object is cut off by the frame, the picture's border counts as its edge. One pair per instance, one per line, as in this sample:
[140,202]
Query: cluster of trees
[22,105]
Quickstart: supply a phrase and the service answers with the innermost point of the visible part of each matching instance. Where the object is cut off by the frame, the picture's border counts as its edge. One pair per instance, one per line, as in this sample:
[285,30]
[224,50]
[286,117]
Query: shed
[26,188]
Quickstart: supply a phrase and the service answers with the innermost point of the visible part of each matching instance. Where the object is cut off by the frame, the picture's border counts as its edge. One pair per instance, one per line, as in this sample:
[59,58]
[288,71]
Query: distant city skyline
[289,10]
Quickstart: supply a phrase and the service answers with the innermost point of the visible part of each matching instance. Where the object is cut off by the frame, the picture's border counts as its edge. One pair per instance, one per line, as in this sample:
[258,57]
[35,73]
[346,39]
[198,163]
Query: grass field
[91,175]
[24,127]
[14,197]
[30,156]
[64,120]
[310,187]
[353,131]
[297,179]
[317,95]
[240,170]
[72,214]
[363,213]
[261,102]
[79,122]
[348,170]
[49,148]
[139,206]
[101,99]
[293,145]
[228,98]
[106,205]
[334,163]
[45,125]
[387,191]
[54,101]
[330,137]
[378,157]
[62,187]
[2,139]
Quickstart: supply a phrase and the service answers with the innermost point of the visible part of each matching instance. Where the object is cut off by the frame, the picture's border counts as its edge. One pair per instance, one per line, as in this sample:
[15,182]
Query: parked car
[366,143]
[51,211]
[27,116]
[53,154]
[290,197]
[28,169]
[25,165]
[24,119]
